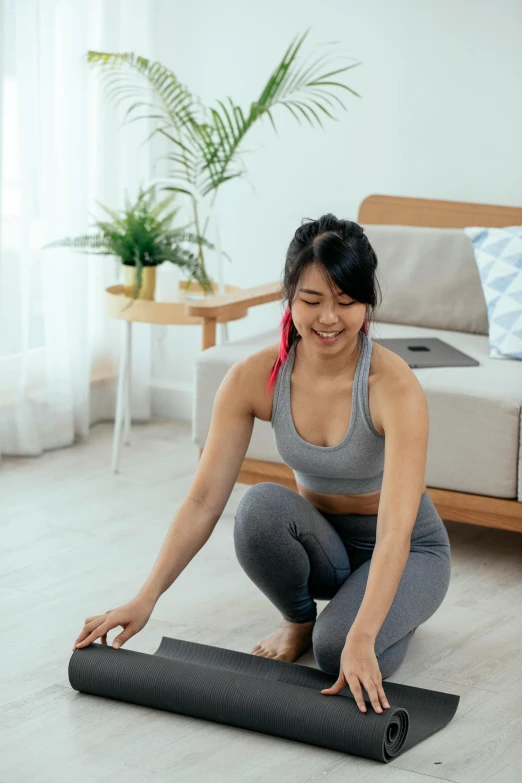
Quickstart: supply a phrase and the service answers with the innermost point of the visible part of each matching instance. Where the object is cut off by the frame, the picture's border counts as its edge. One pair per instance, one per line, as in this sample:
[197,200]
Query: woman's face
[324,311]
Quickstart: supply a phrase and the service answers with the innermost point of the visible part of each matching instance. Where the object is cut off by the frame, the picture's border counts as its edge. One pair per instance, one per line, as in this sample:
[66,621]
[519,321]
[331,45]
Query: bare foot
[288,643]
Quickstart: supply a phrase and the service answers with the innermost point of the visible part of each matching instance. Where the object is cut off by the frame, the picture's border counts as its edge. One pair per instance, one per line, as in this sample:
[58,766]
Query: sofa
[431,288]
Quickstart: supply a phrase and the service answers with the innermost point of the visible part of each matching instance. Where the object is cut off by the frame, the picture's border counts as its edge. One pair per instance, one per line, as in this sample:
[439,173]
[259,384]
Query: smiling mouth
[328,334]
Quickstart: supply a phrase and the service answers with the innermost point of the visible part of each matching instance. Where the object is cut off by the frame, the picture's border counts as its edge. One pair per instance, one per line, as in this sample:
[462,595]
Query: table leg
[128,376]
[224,333]
[120,400]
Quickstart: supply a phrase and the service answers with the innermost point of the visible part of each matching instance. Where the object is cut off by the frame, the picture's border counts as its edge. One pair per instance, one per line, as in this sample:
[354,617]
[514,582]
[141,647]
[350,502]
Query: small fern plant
[140,237]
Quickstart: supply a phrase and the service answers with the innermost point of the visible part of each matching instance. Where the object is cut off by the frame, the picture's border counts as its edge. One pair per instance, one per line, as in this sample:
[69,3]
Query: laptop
[427,352]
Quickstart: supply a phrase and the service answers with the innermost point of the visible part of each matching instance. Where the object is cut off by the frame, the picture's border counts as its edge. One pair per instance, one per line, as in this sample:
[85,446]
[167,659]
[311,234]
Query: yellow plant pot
[148,282]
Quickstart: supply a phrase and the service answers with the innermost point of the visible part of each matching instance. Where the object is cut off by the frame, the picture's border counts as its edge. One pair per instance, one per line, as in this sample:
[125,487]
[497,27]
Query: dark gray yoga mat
[261,694]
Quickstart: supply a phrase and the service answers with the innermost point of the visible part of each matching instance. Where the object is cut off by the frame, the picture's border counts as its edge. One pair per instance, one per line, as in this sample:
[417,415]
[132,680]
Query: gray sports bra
[351,467]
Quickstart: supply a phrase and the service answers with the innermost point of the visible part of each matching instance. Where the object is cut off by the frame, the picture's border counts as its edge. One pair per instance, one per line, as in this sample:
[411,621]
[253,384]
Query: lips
[328,340]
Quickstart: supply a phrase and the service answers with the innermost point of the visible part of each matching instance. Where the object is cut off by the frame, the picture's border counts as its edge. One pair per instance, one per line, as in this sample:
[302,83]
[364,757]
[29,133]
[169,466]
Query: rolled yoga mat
[252,692]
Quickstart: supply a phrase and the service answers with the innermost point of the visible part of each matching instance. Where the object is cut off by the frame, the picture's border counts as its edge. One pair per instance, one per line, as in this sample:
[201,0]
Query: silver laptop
[427,352]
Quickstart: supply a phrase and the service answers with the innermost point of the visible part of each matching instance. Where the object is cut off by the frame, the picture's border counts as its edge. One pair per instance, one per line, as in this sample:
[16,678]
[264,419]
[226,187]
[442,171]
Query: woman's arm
[189,531]
[404,415]
[387,564]
[223,454]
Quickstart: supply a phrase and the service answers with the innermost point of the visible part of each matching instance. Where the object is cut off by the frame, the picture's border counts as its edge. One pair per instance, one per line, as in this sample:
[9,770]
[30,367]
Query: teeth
[328,334]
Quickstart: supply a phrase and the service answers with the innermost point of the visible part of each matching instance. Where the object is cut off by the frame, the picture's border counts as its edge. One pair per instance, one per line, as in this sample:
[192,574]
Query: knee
[391,658]
[388,663]
[257,517]
[327,645]
[260,504]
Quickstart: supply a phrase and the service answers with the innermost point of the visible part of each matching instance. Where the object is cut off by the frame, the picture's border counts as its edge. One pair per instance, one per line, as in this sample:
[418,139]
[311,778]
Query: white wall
[439,117]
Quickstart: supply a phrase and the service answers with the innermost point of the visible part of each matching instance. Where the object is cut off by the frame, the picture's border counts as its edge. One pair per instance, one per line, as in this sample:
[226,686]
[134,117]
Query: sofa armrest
[228,306]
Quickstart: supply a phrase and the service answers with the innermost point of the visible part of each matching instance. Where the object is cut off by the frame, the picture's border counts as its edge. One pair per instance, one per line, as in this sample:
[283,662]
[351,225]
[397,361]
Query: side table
[128,310]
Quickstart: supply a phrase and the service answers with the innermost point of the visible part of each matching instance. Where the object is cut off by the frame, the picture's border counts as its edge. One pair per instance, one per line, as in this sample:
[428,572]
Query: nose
[328,317]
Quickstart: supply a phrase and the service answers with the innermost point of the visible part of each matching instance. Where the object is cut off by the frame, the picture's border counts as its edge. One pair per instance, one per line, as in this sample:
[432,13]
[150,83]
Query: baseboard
[168,400]
[172,400]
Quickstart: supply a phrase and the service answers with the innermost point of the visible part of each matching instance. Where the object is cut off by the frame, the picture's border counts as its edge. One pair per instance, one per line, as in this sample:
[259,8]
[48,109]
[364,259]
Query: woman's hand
[131,616]
[359,665]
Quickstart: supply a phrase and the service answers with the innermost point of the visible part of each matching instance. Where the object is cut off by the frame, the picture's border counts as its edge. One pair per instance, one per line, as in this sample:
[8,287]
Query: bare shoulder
[256,369]
[394,388]
[392,374]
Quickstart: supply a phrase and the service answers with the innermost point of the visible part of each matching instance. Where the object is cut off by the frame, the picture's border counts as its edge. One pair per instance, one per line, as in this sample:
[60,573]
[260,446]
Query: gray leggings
[295,553]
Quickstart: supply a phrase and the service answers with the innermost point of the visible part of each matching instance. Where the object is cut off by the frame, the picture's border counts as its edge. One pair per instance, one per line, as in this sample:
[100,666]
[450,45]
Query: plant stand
[152,312]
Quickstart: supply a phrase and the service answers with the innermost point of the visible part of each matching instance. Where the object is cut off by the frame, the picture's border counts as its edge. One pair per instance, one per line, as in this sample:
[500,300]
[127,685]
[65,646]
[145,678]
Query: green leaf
[207,142]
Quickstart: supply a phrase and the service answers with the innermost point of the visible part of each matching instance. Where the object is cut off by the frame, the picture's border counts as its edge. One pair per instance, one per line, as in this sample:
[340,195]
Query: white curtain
[63,147]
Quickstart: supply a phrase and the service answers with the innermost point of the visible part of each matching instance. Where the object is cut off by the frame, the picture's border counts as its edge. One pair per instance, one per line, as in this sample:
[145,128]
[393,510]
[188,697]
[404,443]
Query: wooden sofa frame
[390,210]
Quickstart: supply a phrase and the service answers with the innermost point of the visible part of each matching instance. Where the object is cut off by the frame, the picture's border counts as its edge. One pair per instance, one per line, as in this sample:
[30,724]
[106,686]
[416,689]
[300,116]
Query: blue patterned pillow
[498,253]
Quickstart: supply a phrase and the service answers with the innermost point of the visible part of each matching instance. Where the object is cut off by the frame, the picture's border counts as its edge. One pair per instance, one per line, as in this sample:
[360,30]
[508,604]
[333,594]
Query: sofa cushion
[498,252]
[475,438]
[428,277]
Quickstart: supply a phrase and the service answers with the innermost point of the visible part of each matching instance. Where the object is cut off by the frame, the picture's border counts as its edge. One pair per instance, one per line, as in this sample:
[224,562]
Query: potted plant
[143,240]
[206,142]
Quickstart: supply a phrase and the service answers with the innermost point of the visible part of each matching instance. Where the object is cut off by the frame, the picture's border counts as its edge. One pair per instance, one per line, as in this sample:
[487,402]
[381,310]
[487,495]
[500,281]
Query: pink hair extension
[286,325]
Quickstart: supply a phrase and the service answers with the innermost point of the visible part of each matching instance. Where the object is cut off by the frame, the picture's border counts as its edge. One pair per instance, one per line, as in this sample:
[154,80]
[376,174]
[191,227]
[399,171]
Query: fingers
[375,692]
[374,697]
[89,634]
[338,685]
[355,687]
[91,637]
[335,688]
[90,624]
[95,617]
[122,637]
[382,697]
[89,621]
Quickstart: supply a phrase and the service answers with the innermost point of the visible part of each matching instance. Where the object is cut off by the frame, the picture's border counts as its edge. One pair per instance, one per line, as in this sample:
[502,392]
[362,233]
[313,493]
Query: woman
[361,531]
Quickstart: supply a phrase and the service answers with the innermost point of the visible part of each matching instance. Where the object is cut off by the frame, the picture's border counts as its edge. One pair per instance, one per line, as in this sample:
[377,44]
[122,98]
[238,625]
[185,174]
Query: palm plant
[207,141]
[140,238]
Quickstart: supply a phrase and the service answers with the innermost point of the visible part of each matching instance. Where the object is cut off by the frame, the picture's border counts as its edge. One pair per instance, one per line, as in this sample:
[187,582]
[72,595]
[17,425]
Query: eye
[312,304]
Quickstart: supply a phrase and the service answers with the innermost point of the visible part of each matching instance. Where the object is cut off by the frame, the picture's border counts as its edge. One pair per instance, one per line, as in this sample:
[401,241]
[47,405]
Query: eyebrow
[318,293]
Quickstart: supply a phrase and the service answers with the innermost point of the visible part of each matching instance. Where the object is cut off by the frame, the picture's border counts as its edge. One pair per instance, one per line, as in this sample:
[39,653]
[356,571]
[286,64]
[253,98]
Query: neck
[319,363]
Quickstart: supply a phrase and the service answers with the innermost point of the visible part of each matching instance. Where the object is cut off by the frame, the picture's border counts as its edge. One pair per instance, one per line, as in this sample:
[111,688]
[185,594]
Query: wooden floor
[78,540]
